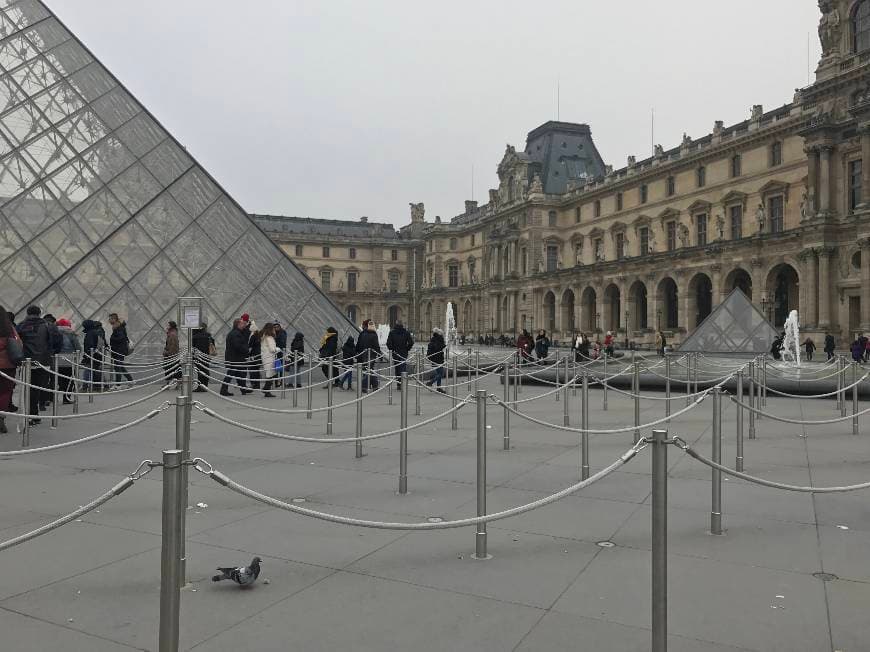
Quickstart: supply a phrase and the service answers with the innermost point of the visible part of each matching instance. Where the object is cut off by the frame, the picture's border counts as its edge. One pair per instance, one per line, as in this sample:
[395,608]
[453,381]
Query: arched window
[861,27]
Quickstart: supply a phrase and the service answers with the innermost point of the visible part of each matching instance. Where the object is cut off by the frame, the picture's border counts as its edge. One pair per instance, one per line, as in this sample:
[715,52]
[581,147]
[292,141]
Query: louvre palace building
[777,205]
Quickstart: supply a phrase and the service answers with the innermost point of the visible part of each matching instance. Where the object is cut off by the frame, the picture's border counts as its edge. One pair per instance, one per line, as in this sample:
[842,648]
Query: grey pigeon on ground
[242,575]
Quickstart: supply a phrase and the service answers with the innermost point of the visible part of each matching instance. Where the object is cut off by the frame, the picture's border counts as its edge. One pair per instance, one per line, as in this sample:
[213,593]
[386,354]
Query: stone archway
[467,317]
[668,315]
[738,278]
[612,308]
[567,326]
[549,312]
[589,307]
[637,311]
[783,292]
[394,314]
[700,300]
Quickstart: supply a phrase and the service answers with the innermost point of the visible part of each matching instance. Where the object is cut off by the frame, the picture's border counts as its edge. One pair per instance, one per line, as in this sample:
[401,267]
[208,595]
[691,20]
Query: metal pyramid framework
[735,326]
[101,210]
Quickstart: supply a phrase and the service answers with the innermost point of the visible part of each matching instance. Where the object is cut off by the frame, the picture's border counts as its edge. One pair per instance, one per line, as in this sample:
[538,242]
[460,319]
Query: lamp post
[764,307]
[627,315]
[659,319]
[597,322]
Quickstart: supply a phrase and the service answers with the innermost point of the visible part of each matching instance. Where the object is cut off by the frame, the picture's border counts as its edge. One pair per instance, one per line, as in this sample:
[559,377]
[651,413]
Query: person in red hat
[69,348]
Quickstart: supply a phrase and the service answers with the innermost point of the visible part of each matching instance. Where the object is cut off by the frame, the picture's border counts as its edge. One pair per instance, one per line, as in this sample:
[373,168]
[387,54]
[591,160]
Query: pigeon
[243,575]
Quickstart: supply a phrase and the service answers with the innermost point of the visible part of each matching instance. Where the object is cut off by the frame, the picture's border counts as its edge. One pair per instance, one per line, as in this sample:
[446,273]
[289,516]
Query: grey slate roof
[565,152]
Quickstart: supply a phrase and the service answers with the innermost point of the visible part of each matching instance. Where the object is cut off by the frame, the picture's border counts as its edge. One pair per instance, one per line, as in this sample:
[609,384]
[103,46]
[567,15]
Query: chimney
[470,206]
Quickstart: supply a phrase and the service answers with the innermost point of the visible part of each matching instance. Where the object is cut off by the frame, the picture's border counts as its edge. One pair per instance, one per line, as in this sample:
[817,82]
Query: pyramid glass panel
[101,210]
[734,326]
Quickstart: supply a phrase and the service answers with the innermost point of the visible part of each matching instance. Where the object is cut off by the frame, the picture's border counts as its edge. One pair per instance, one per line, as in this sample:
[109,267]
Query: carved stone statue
[537,186]
[418,211]
[559,264]
[608,170]
[829,28]
[340,284]
[718,126]
[493,198]
[658,151]
[760,217]
[632,161]
[540,267]
[756,112]
[651,241]
[686,140]
[720,226]
[366,286]
[805,207]
[684,235]
[578,256]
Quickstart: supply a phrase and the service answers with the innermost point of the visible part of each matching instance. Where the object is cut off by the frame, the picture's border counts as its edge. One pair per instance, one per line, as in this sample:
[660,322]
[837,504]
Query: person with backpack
[11,355]
[348,358]
[297,357]
[93,344]
[368,351]
[400,342]
[809,348]
[435,353]
[542,344]
[236,352]
[829,346]
[69,347]
[36,340]
[119,348]
[525,345]
[203,342]
[327,352]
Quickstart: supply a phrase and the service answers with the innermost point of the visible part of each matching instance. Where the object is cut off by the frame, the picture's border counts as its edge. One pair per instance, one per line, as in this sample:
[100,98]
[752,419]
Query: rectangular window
[326,252]
[552,218]
[775,206]
[671,186]
[598,250]
[453,244]
[619,201]
[855,174]
[472,239]
[597,208]
[644,241]
[672,235]
[736,165]
[701,224]
[352,253]
[620,246]
[431,245]
[453,276]
[394,254]
[577,215]
[524,261]
[776,154]
[644,194]
[552,257]
[298,250]
[736,215]
[701,176]
[351,281]
[394,281]
[325,280]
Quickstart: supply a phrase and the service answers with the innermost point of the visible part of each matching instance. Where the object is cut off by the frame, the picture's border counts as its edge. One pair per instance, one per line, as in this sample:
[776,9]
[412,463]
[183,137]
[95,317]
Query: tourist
[400,342]
[863,340]
[830,345]
[119,345]
[857,350]
[36,342]
[11,352]
[776,346]
[661,343]
[608,344]
[809,347]
[54,335]
[255,356]
[236,353]
[542,344]
[348,357]
[525,345]
[435,353]
[280,336]
[268,356]
[577,346]
[327,352]
[171,368]
[203,342]
[297,356]
[368,350]
[70,345]
[94,343]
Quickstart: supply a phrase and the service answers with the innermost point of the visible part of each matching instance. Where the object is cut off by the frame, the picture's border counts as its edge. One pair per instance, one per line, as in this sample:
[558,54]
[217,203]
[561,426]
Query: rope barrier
[81,415]
[823,422]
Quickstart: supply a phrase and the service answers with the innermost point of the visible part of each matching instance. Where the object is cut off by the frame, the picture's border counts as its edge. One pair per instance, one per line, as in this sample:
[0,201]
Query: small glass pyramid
[734,326]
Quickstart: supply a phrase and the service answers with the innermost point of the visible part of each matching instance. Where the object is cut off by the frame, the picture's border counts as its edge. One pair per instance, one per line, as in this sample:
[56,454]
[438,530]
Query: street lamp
[764,307]
[597,322]
[659,319]
[627,314]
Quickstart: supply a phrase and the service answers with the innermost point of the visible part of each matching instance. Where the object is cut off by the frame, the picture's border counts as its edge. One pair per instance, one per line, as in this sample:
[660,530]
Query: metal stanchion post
[506,436]
[359,410]
[26,379]
[170,560]
[329,388]
[764,381]
[454,417]
[393,375]
[480,536]
[759,386]
[573,376]
[403,437]
[854,398]
[566,415]
[418,379]
[751,397]
[91,381]
[635,389]
[516,374]
[182,443]
[584,424]
[668,385]
[738,464]
[604,384]
[842,376]
[839,383]
[283,376]
[557,368]
[659,524]
[716,507]
[309,389]
[190,381]
[519,378]
[74,383]
[695,373]
[688,378]
[295,380]
[477,371]
[54,386]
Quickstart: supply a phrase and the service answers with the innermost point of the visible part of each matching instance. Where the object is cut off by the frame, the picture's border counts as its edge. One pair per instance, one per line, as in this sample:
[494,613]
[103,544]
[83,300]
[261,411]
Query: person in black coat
[435,353]
[327,352]
[204,343]
[368,350]
[297,357]
[348,358]
[119,347]
[400,342]
[236,354]
[829,346]
[92,344]
[36,341]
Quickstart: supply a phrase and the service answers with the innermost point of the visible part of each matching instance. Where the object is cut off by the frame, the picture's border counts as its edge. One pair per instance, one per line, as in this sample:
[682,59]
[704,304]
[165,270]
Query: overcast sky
[344,108]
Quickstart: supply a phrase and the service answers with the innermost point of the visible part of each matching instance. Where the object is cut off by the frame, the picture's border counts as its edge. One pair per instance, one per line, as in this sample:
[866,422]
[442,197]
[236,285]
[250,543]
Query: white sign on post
[190,317]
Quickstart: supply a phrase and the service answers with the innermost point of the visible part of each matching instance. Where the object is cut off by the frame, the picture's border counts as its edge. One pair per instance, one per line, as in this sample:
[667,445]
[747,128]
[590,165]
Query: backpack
[14,350]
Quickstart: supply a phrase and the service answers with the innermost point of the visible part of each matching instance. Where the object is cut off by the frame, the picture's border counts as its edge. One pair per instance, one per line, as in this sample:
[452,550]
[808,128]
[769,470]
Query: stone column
[865,284]
[825,180]
[865,167]
[716,294]
[824,288]
[812,179]
[812,288]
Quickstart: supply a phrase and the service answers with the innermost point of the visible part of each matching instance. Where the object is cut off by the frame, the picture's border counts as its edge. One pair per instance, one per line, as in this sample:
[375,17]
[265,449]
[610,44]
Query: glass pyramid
[101,210]
[735,326]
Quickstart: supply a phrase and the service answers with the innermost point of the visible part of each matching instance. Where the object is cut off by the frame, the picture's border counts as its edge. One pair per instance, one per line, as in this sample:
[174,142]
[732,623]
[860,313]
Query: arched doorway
[393,315]
[568,325]
[739,278]
[352,313]
[782,292]
[612,308]
[589,307]
[549,312]
[668,314]
[467,318]
[637,311]
[700,299]
[503,317]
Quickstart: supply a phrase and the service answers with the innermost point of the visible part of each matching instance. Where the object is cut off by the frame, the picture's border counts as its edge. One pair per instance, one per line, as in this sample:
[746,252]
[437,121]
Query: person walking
[236,352]
[525,345]
[809,348]
[36,341]
[400,342]
[348,357]
[297,355]
[203,342]
[435,353]
[863,340]
[268,356]
[170,350]
[857,350]
[69,347]
[661,343]
[94,343]
[11,351]
[368,351]
[542,344]
[119,348]
[608,344]
[327,352]
[255,356]
[830,345]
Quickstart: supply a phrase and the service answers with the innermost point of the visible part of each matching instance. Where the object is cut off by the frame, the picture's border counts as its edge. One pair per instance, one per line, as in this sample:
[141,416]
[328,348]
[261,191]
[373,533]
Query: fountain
[791,344]
[451,337]
[383,331]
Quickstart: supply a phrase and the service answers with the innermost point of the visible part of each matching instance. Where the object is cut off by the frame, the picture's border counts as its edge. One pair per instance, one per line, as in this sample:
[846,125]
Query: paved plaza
[93,585]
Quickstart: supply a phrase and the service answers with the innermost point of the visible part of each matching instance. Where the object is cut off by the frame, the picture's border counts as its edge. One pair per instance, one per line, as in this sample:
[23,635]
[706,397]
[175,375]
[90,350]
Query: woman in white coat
[268,354]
